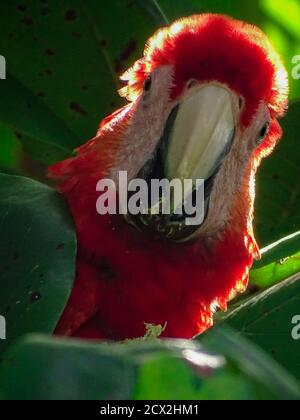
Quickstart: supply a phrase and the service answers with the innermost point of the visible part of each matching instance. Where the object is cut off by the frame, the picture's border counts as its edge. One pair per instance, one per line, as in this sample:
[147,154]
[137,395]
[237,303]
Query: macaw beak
[202,134]
[198,136]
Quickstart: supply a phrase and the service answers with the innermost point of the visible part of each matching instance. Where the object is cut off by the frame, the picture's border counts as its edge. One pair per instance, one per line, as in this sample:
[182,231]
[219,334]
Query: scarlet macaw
[203,103]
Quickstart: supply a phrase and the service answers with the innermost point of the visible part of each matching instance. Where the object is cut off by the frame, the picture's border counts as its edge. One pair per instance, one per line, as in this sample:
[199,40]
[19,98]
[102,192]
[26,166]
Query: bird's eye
[148,84]
[191,83]
[241,102]
[263,132]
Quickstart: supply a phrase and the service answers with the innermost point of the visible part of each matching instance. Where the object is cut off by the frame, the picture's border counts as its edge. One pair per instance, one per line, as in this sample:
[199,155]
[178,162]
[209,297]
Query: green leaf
[169,379]
[266,320]
[37,256]
[279,262]
[64,370]
[252,361]
[279,250]
[228,386]
[162,378]
[64,60]
[276,272]
[176,369]
[84,371]
[27,114]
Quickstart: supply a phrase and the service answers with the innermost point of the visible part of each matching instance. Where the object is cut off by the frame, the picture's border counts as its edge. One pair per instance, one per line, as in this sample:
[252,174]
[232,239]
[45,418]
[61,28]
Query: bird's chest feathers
[154,270]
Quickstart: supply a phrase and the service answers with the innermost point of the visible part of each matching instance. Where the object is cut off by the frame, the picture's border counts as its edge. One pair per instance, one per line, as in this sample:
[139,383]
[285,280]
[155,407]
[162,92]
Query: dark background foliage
[63,62]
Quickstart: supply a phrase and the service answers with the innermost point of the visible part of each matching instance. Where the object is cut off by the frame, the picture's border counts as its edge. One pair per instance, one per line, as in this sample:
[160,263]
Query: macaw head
[204,103]
[206,95]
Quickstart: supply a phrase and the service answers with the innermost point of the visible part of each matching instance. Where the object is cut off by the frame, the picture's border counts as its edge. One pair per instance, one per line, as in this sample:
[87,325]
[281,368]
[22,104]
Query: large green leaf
[61,369]
[266,319]
[251,360]
[64,59]
[37,256]
[91,371]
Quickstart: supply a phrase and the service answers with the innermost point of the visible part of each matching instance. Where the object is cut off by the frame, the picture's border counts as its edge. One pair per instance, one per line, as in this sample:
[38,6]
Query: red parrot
[203,103]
